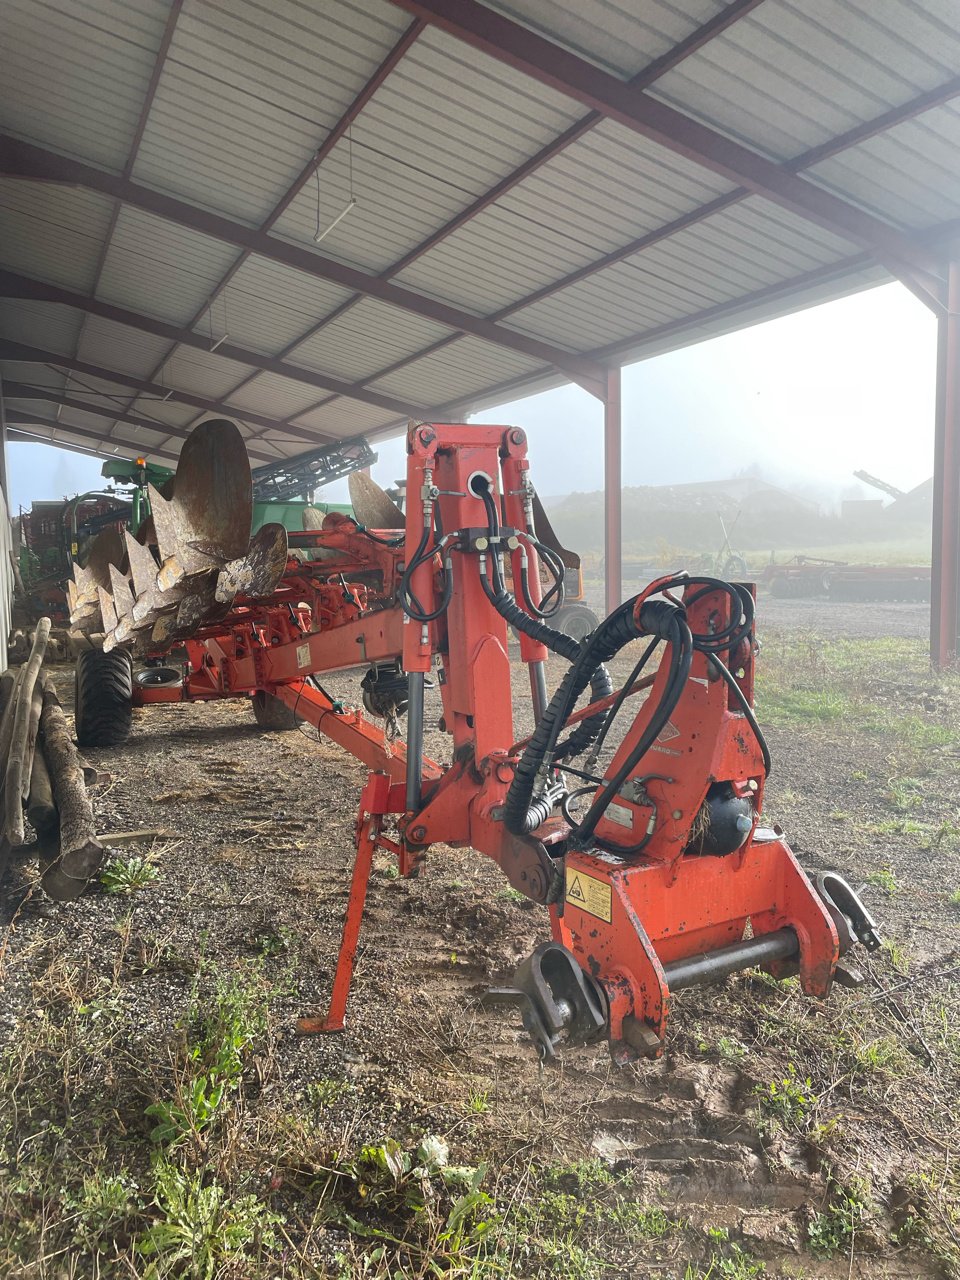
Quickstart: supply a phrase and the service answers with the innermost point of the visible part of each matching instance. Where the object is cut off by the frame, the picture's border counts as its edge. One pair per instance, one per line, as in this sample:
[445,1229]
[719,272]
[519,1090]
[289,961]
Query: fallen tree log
[81,853]
[16,759]
[41,810]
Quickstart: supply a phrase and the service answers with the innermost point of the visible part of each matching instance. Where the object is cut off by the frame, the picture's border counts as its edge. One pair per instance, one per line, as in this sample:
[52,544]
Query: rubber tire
[158,678]
[735,567]
[272,713]
[103,697]
[575,620]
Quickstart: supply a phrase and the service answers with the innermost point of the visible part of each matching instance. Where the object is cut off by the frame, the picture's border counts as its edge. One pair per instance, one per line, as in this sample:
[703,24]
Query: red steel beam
[29,420]
[26,160]
[25,391]
[696,40]
[338,131]
[945,563]
[613,493]
[173,17]
[534,55]
[13,285]
[34,355]
[946,92]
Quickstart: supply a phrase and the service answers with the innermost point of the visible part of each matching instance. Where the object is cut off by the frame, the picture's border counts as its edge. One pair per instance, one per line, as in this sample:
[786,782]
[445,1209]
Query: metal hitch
[554,995]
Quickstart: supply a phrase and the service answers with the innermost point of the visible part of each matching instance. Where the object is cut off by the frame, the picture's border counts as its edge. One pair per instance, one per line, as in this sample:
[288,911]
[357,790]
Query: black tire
[735,567]
[158,677]
[103,697]
[575,620]
[271,713]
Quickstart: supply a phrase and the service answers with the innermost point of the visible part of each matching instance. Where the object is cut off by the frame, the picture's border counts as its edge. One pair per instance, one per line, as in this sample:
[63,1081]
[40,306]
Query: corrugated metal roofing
[159,268]
[74,76]
[53,231]
[247,93]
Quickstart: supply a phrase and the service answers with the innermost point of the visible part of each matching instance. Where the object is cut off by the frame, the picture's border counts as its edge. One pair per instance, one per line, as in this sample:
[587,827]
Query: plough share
[650,855]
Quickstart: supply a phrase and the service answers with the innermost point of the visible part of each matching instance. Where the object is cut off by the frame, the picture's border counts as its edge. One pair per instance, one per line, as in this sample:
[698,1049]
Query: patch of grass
[904,794]
[955,898]
[789,1101]
[884,879]
[478,1103]
[200,1228]
[126,875]
[848,1208]
[728,1261]
[325,1092]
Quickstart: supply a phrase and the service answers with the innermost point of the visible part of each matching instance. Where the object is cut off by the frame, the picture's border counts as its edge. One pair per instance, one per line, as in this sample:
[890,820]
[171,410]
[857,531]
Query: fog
[804,400]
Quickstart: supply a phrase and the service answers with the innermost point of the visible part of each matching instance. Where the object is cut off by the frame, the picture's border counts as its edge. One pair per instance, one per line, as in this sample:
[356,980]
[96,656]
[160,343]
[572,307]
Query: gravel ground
[256,859]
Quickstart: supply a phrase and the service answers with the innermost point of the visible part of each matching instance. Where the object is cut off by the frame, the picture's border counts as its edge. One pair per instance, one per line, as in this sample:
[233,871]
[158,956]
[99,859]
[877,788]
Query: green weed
[789,1102]
[126,875]
[201,1229]
[883,879]
[831,1230]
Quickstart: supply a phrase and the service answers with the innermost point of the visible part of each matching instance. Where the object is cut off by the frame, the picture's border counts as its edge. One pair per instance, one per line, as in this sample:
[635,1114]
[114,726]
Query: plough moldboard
[664,877]
[190,560]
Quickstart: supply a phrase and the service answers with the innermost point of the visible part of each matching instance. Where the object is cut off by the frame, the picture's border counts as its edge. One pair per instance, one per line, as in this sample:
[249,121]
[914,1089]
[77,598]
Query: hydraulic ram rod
[711,966]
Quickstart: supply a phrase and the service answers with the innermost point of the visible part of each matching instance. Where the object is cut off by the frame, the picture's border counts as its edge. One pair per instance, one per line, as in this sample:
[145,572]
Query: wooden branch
[82,852]
[16,760]
[33,728]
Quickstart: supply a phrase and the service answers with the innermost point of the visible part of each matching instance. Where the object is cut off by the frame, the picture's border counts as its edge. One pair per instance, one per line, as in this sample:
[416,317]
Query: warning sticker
[303,655]
[668,731]
[589,894]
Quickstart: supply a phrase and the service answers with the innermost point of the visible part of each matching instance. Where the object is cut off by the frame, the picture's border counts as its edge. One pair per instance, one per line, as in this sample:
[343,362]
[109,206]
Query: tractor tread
[271,713]
[103,698]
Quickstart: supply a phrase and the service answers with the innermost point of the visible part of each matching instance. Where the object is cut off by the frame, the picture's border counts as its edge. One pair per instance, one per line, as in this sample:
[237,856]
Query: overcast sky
[808,398]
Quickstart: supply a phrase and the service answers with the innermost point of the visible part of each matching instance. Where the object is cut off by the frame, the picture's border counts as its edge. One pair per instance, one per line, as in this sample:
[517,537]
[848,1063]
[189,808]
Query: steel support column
[945,563]
[612,493]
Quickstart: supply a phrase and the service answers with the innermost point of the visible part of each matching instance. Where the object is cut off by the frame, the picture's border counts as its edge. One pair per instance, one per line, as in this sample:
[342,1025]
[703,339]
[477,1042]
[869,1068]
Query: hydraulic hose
[601,686]
[520,816]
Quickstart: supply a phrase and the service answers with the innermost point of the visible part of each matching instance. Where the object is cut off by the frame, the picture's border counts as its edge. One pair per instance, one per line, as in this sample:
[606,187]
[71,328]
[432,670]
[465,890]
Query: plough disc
[190,560]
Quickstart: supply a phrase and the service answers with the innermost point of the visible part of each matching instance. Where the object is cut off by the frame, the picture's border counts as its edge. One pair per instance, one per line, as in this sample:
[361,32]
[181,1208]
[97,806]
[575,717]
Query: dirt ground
[778,1135]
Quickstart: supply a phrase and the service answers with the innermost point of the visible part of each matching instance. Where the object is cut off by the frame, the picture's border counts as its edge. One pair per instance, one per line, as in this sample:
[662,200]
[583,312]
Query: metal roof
[541,188]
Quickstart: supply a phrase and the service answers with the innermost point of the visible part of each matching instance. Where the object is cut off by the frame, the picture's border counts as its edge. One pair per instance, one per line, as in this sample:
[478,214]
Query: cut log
[41,810]
[81,851]
[17,758]
[54,880]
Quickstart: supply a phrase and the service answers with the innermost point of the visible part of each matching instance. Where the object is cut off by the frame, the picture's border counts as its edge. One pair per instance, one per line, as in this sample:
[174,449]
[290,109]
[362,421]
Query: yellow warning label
[589,894]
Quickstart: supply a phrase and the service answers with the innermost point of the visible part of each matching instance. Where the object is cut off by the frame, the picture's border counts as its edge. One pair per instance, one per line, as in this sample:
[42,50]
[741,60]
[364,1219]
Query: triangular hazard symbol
[575,892]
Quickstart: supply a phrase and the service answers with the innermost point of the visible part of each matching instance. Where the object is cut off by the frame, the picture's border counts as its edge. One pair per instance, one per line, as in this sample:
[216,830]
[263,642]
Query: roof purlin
[398,51]
[551,64]
[17,351]
[26,160]
[861,133]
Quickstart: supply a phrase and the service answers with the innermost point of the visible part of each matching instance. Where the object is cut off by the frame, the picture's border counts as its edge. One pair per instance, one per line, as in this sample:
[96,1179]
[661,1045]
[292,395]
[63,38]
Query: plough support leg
[374,803]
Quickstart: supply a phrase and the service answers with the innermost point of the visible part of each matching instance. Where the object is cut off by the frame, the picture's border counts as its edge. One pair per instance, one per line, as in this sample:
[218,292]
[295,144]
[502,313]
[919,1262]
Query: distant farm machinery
[663,878]
[808,578]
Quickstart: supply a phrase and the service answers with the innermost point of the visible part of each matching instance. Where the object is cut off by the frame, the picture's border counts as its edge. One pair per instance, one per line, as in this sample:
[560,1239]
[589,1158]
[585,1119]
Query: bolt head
[677,815]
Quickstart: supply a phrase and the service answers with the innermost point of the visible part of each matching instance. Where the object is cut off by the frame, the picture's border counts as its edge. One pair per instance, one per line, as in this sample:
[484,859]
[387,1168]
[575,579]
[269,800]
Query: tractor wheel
[103,693]
[272,713]
[575,620]
[735,567]
[158,678]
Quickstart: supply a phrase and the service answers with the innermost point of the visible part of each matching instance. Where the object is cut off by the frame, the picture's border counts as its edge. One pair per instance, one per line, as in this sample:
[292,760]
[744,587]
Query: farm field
[162,1118]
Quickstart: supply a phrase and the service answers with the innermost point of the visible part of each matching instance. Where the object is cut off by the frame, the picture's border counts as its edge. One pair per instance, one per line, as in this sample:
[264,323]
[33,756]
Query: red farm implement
[663,878]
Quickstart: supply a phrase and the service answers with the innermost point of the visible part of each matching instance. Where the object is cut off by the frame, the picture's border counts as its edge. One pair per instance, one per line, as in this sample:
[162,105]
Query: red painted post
[612,493]
[945,569]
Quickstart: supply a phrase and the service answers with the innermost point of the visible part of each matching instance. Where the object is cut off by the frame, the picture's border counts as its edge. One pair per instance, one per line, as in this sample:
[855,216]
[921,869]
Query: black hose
[601,686]
[542,749]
